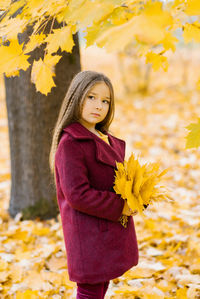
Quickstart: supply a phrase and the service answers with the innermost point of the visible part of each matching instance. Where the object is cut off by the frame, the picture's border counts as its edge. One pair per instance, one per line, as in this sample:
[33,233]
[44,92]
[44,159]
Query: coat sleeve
[74,183]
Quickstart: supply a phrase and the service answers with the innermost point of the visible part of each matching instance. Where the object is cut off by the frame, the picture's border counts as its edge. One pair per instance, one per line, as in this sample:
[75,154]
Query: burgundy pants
[92,291]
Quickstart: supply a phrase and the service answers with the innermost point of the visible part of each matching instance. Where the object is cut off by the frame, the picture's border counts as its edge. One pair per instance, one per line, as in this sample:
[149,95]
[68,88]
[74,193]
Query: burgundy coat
[98,247]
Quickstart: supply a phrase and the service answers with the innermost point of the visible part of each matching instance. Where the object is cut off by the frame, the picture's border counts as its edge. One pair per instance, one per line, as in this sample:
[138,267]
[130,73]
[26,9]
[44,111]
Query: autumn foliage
[139,184]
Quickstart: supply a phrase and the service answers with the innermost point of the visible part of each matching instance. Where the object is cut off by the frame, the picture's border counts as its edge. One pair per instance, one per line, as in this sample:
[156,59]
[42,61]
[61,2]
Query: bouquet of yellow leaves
[138,184]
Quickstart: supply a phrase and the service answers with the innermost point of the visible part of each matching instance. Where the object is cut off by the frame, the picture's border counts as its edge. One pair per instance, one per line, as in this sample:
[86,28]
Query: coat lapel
[105,153]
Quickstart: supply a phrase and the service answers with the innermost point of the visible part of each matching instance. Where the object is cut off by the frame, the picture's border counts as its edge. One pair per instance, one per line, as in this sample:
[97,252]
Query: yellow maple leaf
[120,15]
[152,23]
[121,36]
[121,184]
[157,61]
[132,200]
[13,59]
[60,38]
[35,41]
[192,7]
[154,11]
[43,71]
[36,7]
[191,31]
[131,166]
[94,31]
[168,41]
[193,137]
[14,6]
[28,294]
[147,190]
[84,12]
[12,73]
[56,7]
[182,293]
[11,27]
[138,179]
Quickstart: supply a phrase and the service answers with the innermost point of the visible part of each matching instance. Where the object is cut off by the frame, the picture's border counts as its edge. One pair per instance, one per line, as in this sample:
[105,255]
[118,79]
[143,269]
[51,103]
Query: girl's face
[96,101]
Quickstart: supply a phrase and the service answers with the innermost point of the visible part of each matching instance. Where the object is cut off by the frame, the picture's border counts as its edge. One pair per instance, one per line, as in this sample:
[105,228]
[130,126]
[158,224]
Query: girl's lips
[95,114]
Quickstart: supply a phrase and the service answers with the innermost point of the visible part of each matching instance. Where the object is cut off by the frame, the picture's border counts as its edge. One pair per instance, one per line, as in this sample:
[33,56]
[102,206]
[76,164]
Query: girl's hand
[127,211]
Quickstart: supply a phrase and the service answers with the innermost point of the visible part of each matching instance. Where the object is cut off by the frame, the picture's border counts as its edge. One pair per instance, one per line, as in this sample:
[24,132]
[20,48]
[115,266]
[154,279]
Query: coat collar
[105,153]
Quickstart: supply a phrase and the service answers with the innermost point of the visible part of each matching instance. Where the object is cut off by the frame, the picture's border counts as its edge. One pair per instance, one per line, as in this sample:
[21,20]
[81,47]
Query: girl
[83,159]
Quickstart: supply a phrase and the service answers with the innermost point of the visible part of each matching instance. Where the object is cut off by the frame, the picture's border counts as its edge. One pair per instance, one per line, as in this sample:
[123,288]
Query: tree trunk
[31,119]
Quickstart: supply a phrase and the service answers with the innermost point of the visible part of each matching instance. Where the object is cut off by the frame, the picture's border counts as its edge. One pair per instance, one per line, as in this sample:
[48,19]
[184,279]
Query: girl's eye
[90,97]
[107,101]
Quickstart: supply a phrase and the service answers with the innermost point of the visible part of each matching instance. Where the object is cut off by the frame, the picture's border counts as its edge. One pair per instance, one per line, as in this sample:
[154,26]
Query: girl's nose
[99,105]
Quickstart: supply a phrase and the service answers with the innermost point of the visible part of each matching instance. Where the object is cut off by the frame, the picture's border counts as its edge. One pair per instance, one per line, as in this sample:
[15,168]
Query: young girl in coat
[99,246]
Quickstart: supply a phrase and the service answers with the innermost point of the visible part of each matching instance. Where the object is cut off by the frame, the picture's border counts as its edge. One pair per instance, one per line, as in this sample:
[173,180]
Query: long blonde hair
[70,110]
